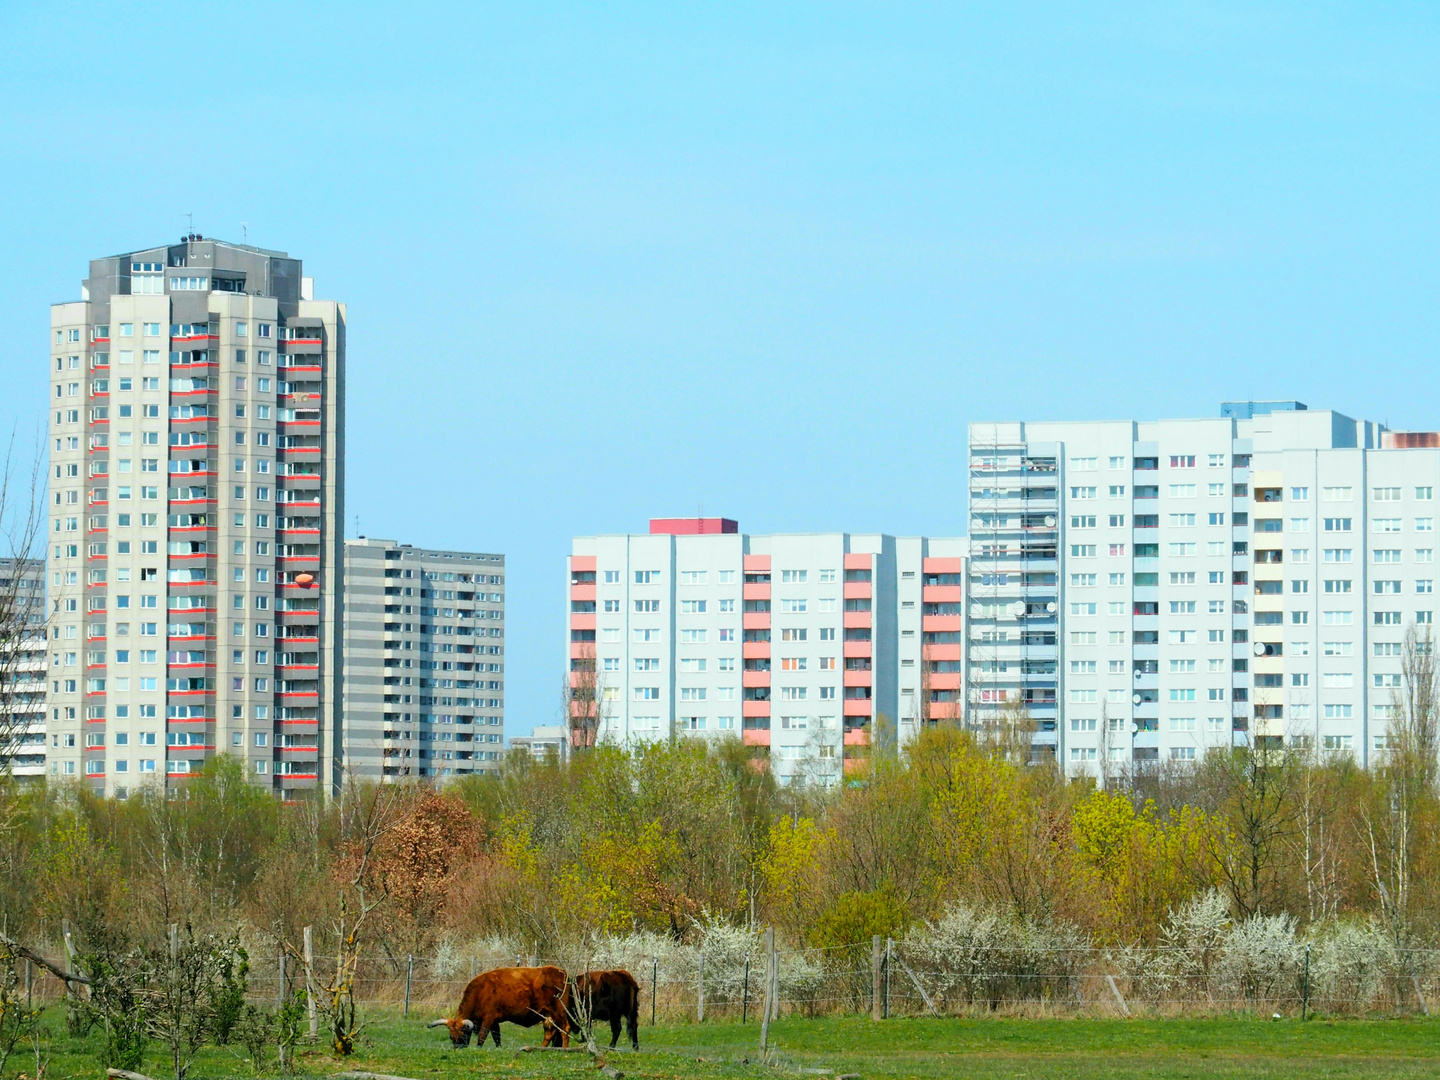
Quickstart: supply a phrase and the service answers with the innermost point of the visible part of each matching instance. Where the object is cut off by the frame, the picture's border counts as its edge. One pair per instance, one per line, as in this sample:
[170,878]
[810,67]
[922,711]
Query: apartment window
[1424,524]
[1082,492]
[1117,491]
[1182,491]
[647,607]
[692,607]
[1217,518]
[1116,462]
[1082,551]
[1425,494]
[1384,525]
[1182,520]
[1084,464]
[792,577]
[1215,489]
[1339,524]
[1387,494]
[1182,461]
[612,577]
[692,577]
[1082,521]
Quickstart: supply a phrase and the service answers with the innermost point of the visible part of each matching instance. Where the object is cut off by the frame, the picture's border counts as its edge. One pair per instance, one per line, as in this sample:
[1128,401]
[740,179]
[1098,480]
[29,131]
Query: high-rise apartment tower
[197,434]
[1148,590]
[424,661]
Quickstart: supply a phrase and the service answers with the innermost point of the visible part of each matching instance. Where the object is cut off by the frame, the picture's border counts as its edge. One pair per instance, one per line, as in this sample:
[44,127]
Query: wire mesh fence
[908,978]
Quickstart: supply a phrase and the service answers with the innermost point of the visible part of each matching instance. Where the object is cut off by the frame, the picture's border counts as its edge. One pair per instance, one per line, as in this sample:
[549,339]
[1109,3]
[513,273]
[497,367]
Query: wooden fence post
[775,984]
[409,978]
[310,983]
[280,990]
[700,1000]
[769,982]
[889,953]
[875,990]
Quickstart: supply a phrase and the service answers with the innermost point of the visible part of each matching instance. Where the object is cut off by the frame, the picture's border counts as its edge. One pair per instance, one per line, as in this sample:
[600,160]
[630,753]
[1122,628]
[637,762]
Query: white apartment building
[24,641]
[796,644]
[424,661]
[196,498]
[1150,589]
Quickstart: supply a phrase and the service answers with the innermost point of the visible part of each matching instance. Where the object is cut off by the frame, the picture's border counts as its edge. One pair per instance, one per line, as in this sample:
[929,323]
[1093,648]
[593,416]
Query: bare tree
[1406,782]
[23,623]
[584,698]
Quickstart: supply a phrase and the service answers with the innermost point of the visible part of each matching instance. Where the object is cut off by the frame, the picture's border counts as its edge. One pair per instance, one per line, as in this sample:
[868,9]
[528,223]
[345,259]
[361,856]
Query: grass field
[998,1049]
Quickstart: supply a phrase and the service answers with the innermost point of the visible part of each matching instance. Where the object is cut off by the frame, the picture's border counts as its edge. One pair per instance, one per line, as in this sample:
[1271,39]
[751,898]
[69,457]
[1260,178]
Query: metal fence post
[280,1000]
[875,990]
[1305,993]
[409,977]
[744,993]
[700,1000]
[654,982]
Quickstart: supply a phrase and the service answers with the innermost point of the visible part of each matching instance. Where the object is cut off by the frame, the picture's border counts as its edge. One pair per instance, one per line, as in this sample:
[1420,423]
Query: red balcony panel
[581,650]
[755,650]
[858,706]
[857,737]
[944,566]
[755,708]
[757,564]
[859,678]
[858,590]
[582,563]
[859,648]
[751,737]
[940,622]
[944,680]
[582,621]
[757,592]
[854,765]
[944,652]
[943,594]
[756,620]
[857,619]
[755,678]
[859,561]
[583,591]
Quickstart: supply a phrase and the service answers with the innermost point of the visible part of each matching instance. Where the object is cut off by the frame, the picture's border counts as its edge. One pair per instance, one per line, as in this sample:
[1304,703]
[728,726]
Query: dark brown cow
[608,995]
[524,996]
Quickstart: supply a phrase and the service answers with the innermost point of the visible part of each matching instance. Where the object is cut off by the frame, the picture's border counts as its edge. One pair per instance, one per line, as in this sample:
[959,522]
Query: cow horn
[468,1025]
[437,1023]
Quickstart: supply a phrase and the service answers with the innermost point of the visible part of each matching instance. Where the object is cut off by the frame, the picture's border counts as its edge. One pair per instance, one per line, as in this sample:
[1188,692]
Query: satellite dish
[1049,521]
[1136,699]
[1259,648]
[1138,674]
[1017,608]
[1050,607]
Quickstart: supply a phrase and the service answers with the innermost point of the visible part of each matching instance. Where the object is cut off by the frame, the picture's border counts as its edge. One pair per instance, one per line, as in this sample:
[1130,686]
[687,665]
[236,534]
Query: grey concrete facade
[205,617]
[23,645]
[424,687]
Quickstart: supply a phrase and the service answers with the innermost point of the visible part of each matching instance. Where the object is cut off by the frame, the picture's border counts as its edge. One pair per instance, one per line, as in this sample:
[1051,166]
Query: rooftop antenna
[190,217]
[244,232]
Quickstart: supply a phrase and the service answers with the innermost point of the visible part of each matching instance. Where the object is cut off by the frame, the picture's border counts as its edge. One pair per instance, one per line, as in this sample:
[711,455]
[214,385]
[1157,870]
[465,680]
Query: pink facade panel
[753,737]
[585,591]
[861,561]
[755,708]
[857,706]
[943,594]
[859,678]
[579,621]
[582,563]
[856,619]
[692,526]
[757,592]
[755,650]
[755,620]
[757,564]
[944,566]
[940,622]
[944,652]
[944,680]
[755,678]
[857,737]
[858,590]
[859,648]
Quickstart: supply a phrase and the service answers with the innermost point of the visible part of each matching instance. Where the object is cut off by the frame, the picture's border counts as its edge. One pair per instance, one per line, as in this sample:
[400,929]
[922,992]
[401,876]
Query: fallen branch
[69,976]
[125,1074]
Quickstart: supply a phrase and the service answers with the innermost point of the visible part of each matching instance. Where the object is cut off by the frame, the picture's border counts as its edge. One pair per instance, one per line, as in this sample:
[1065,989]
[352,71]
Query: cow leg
[633,1023]
[614,1030]
[494,1033]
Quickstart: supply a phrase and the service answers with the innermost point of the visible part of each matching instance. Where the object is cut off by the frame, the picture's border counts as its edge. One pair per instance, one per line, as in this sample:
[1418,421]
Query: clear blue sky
[609,261]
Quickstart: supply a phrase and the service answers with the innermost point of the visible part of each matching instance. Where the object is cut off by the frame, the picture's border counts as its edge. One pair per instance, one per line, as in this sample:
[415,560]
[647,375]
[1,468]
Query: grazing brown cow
[608,995]
[524,996]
